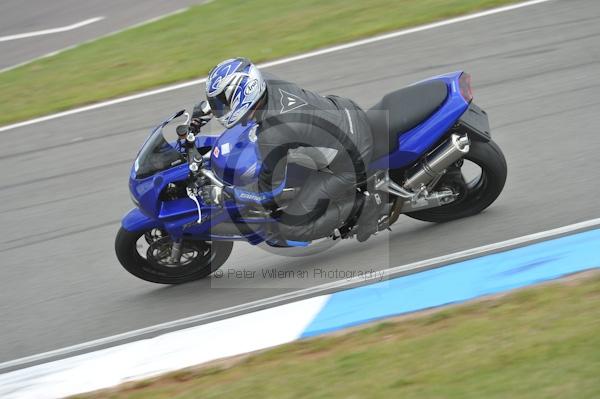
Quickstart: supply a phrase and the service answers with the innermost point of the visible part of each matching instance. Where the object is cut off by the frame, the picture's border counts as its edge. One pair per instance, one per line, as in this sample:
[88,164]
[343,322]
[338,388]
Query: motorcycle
[428,138]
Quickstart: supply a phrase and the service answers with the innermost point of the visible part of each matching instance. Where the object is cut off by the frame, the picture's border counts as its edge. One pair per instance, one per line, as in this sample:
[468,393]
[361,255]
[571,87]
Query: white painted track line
[62,50]
[280,62]
[249,307]
[51,31]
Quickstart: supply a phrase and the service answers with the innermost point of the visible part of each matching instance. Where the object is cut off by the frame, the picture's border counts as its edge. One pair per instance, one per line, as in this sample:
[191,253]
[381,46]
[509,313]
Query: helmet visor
[219,105]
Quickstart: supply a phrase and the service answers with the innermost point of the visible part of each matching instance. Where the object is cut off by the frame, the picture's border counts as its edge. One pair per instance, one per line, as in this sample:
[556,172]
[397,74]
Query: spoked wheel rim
[201,258]
[159,252]
[155,247]
[152,235]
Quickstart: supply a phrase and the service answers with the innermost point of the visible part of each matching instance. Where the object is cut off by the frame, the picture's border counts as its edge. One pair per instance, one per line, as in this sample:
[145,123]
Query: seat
[402,110]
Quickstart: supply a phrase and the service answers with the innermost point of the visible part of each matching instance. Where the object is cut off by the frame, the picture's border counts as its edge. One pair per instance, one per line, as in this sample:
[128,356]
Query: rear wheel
[478,179]
[147,255]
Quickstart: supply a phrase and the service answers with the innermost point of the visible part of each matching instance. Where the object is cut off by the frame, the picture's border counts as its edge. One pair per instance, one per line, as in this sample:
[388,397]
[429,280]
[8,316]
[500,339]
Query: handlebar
[199,176]
[188,133]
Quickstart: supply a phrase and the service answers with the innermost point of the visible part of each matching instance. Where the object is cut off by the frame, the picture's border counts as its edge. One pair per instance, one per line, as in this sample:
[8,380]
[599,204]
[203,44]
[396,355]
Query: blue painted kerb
[459,282]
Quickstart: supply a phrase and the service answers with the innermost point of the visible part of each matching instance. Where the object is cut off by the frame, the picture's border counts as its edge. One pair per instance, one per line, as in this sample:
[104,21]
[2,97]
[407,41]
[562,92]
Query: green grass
[541,342]
[187,45]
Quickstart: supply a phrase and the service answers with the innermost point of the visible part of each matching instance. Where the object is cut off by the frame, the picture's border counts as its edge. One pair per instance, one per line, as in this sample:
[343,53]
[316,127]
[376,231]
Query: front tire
[476,195]
[201,258]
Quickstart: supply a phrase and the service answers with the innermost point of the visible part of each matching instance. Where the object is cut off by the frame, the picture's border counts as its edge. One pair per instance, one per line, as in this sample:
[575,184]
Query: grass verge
[540,342]
[186,46]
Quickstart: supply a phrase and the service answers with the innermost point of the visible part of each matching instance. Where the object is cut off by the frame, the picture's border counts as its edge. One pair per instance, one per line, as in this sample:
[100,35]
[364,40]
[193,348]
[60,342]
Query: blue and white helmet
[232,88]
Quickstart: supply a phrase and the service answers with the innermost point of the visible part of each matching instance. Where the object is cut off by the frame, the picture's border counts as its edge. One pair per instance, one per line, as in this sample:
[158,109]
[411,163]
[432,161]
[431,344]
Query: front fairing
[145,192]
[160,162]
[179,217]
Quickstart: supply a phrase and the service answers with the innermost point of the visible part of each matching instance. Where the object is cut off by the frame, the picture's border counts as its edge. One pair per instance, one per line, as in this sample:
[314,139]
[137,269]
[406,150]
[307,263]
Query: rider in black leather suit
[333,134]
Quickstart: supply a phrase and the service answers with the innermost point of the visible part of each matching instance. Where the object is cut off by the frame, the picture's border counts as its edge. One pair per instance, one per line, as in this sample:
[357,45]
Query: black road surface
[64,182]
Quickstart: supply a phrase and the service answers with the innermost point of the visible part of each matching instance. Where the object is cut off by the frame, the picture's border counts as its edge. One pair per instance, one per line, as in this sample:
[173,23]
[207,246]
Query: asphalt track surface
[23,16]
[64,181]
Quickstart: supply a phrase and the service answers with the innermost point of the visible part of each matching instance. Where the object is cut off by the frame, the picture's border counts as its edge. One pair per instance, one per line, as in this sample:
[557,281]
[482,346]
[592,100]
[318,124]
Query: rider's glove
[201,115]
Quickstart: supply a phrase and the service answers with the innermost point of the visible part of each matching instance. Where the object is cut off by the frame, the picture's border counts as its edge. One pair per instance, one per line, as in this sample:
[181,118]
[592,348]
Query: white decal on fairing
[225,148]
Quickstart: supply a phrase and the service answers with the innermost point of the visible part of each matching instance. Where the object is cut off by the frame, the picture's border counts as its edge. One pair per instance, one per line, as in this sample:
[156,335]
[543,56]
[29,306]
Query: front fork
[176,251]
[177,232]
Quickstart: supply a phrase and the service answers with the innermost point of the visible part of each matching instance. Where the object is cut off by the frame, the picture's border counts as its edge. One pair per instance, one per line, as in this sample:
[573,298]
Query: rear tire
[479,194]
[210,256]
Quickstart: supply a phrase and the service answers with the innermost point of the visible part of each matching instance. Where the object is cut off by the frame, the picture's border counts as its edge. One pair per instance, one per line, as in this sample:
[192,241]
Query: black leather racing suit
[330,132]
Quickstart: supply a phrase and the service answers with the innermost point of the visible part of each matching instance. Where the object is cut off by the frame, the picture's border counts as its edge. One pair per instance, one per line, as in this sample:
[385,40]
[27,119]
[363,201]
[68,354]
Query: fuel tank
[235,156]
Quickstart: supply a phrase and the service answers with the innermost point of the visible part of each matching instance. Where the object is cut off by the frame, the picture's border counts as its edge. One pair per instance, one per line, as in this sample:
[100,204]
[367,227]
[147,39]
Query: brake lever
[193,195]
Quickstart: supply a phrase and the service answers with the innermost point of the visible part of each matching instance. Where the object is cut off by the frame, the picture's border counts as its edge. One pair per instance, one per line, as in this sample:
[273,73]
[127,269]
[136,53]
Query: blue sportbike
[434,160]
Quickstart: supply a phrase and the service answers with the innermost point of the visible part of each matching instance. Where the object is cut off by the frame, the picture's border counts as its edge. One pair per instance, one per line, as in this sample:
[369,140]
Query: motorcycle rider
[294,123]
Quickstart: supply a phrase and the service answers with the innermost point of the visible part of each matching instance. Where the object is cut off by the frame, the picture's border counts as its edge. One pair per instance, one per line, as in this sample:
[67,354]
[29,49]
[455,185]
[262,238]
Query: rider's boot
[369,216]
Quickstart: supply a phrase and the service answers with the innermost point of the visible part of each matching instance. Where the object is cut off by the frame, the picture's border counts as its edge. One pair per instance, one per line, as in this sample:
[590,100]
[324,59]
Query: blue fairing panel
[135,220]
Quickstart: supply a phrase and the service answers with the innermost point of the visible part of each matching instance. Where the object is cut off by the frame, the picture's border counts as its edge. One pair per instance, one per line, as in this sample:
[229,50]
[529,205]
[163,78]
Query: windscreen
[157,154]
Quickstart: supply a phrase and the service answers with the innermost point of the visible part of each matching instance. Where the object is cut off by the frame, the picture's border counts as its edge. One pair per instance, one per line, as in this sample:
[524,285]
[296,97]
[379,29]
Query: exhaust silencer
[435,164]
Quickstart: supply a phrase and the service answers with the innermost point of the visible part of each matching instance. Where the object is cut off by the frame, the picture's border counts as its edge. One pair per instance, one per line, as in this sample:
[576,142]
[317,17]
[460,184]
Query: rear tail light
[464,83]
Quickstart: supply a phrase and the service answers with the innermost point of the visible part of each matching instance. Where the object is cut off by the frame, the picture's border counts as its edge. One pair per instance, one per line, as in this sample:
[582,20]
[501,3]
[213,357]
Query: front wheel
[147,255]
[487,164]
